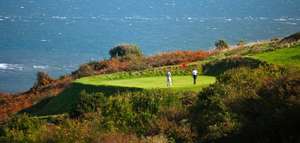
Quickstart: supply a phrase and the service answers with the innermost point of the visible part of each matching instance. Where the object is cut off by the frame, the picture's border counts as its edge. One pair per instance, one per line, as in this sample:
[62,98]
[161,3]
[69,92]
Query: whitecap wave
[136,18]
[189,18]
[59,17]
[6,66]
[212,28]
[263,18]
[44,40]
[280,19]
[291,23]
[228,19]
[40,66]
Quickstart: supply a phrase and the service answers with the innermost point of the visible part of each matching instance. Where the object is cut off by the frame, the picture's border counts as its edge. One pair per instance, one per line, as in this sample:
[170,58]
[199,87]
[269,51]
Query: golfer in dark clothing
[195,74]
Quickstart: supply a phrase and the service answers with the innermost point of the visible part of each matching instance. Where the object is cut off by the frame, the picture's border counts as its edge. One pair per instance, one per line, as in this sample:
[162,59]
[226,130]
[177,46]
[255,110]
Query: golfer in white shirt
[169,79]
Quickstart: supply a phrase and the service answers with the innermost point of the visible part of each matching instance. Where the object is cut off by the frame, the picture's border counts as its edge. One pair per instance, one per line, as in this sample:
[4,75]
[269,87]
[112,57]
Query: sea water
[58,36]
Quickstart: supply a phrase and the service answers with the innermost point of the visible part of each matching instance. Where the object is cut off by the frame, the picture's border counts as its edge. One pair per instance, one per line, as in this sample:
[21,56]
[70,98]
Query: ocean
[58,36]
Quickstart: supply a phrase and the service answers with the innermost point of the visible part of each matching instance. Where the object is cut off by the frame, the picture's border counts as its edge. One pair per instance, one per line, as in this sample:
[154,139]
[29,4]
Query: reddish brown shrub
[177,57]
[43,79]
[140,63]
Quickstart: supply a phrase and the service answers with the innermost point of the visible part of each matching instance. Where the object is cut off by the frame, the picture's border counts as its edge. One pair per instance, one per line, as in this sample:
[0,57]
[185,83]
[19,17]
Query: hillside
[285,57]
[252,56]
[66,100]
[243,94]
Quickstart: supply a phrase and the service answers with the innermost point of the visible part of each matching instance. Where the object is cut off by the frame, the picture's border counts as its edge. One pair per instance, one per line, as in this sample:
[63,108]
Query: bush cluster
[125,51]
[87,103]
[220,66]
[249,105]
[43,79]
[177,57]
[21,128]
[221,45]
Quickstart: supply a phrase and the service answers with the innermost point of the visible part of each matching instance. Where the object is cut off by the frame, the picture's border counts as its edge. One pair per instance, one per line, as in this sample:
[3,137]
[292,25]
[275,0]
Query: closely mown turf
[179,82]
[286,56]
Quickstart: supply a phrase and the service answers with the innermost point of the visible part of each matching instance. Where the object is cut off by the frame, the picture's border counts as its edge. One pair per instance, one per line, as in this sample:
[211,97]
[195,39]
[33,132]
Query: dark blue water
[58,36]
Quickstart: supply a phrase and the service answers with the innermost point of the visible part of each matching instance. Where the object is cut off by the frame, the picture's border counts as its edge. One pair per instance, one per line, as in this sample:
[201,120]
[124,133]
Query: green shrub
[72,131]
[249,105]
[88,103]
[141,114]
[220,66]
[125,50]
[137,111]
[211,117]
[144,103]
[21,128]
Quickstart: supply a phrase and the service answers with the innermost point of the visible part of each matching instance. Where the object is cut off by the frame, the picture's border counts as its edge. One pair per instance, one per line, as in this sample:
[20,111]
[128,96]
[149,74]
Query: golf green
[179,82]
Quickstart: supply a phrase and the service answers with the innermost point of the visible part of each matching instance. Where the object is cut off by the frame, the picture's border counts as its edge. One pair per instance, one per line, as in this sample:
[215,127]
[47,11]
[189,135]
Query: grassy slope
[63,102]
[66,100]
[179,82]
[286,56]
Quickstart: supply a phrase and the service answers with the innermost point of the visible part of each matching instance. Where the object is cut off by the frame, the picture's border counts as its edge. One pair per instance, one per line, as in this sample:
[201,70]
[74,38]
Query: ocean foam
[228,19]
[291,23]
[6,66]
[59,17]
[40,66]
[263,18]
[280,19]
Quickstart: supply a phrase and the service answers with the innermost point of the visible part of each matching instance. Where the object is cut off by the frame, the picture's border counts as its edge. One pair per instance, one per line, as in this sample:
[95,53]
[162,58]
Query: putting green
[179,82]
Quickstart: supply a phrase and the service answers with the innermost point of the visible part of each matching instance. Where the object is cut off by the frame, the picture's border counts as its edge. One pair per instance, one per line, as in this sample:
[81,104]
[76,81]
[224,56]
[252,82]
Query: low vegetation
[250,105]
[218,67]
[136,63]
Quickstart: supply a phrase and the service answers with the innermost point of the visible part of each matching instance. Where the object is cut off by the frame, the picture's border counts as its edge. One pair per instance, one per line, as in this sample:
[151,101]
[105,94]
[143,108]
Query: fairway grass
[179,82]
[286,56]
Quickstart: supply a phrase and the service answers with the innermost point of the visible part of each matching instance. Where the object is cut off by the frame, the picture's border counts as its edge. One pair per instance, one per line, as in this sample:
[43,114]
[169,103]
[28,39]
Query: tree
[125,50]
[221,45]
[43,79]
